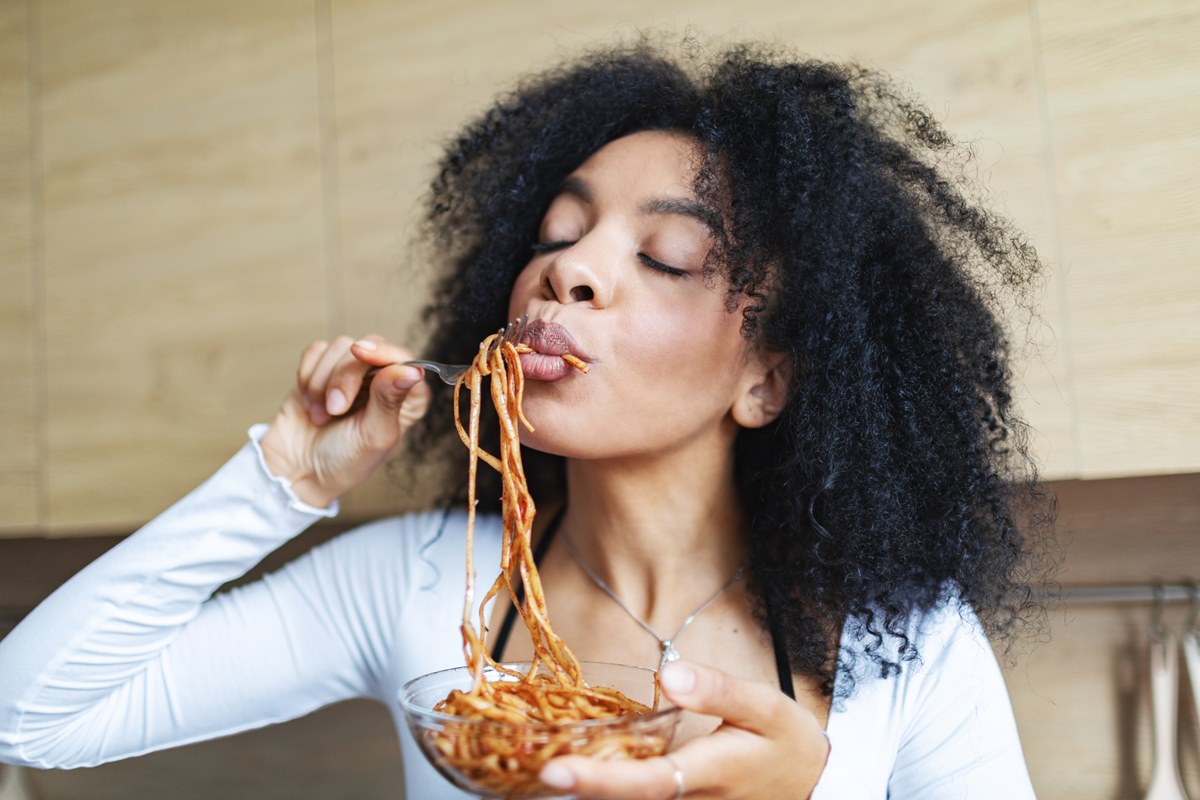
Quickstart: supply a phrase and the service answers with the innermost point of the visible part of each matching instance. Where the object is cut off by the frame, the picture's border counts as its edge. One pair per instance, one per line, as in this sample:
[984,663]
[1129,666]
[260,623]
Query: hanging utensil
[1191,645]
[1165,783]
[15,784]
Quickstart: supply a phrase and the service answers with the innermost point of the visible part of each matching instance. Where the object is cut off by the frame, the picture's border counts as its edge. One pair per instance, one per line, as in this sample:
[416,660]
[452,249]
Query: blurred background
[192,191]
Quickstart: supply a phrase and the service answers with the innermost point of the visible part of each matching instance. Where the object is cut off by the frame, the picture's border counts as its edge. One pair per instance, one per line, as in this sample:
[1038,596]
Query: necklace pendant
[669,653]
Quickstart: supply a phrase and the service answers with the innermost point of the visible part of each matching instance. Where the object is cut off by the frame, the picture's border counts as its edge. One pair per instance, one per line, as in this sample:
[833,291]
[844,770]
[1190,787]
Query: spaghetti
[553,691]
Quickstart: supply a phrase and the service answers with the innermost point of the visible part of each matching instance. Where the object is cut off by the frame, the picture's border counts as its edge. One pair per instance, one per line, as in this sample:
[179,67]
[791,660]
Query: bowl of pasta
[492,737]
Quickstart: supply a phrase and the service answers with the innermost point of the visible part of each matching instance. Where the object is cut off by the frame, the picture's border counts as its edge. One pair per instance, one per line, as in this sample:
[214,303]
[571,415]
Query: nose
[578,274]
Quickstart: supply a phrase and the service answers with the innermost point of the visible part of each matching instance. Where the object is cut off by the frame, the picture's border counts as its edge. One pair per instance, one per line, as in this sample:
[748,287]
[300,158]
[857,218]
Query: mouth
[552,339]
[549,342]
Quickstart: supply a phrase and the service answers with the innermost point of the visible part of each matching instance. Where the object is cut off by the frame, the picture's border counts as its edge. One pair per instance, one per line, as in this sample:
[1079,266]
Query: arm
[128,656]
[131,655]
[961,738]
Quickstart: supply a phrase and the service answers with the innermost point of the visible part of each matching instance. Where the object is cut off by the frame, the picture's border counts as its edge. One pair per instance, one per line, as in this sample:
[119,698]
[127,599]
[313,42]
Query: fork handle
[364,391]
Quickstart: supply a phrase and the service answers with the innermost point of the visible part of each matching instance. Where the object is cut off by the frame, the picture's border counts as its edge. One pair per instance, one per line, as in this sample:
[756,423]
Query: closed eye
[652,263]
[546,247]
[661,267]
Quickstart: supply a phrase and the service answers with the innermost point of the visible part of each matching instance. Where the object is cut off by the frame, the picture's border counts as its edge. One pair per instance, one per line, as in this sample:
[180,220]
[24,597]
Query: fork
[449,373]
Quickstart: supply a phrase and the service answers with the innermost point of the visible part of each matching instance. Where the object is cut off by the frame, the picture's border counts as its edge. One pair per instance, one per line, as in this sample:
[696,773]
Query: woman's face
[616,278]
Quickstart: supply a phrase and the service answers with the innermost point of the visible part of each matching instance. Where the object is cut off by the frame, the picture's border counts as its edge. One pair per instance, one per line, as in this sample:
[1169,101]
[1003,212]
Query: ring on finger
[677,775]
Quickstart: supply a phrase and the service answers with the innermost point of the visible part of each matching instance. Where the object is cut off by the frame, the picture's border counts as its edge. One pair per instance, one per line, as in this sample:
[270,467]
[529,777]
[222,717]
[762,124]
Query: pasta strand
[553,691]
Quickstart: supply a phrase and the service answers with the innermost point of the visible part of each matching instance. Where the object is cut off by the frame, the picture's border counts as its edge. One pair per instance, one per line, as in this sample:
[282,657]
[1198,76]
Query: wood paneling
[1124,104]
[183,240]
[152,182]
[19,486]
[224,182]
[1130,530]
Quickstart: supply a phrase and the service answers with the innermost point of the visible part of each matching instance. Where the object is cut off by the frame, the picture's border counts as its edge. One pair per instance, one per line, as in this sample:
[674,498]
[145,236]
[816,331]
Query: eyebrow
[693,209]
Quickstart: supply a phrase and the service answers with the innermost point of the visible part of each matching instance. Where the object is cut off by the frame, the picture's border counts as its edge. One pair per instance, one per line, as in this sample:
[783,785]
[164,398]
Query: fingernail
[364,344]
[335,401]
[557,776]
[677,678]
[408,379]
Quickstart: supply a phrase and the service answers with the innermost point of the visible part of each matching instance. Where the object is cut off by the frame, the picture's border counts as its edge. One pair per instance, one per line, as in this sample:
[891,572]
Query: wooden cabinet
[191,192]
[182,241]
[1122,108]
[20,496]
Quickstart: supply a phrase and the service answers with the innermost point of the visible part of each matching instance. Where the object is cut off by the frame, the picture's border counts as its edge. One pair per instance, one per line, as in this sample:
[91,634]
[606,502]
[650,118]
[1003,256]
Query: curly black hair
[898,473]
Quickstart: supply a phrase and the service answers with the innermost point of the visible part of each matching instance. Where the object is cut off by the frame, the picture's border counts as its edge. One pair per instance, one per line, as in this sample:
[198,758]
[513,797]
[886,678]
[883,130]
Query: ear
[764,390]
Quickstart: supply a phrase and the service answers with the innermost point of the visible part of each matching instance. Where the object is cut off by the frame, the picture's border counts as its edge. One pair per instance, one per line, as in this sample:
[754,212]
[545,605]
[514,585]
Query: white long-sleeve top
[135,653]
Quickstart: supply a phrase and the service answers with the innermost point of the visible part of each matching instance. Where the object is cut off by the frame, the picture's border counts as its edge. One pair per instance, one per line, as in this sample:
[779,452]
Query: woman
[797,433]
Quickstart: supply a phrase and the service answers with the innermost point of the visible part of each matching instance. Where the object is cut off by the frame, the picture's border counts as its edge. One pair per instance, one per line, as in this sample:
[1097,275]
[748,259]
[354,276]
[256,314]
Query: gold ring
[678,776]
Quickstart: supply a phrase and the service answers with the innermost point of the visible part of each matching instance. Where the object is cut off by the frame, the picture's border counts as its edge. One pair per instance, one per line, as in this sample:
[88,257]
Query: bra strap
[783,665]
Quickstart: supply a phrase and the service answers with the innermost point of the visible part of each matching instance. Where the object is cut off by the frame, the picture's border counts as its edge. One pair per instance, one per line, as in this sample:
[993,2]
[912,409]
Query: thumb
[416,403]
[399,397]
[752,706]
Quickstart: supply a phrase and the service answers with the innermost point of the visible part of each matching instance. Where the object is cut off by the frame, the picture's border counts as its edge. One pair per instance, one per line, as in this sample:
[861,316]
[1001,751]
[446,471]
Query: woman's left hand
[767,746]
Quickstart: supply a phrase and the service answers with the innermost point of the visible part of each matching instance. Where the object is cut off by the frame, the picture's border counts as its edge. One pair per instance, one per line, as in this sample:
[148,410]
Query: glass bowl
[514,753]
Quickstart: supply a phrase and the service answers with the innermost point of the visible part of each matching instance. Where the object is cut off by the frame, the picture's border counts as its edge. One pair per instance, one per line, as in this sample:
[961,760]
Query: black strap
[778,639]
[510,616]
[783,665]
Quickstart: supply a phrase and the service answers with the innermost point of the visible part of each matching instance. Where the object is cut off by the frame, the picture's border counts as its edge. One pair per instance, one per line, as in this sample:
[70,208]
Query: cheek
[686,340]
[524,288]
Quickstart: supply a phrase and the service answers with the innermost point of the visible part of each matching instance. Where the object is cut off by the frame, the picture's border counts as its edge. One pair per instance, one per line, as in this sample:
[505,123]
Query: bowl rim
[665,709]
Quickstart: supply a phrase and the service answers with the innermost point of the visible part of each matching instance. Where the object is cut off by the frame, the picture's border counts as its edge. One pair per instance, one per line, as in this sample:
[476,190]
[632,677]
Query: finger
[318,388]
[752,706]
[304,371]
[308,362]
[376,352]
[398,398]
[648,779]
[379,352]
[416,403]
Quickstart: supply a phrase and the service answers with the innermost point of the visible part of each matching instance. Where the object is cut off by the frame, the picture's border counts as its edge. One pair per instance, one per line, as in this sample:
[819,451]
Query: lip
[552,339]
[549,342]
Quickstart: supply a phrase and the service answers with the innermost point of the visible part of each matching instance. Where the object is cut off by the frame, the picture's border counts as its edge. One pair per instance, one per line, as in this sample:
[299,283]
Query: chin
[567,447]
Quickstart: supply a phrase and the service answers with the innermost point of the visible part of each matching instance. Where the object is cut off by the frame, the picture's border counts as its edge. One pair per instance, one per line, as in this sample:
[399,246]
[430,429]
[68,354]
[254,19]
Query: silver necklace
[669,653]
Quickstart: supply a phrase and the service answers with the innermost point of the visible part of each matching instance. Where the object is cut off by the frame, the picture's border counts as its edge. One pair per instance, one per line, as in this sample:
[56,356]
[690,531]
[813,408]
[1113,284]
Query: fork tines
[510,333]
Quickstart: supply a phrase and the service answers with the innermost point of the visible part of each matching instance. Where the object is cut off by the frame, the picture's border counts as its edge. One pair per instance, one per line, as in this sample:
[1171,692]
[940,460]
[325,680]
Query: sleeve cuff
[256,433]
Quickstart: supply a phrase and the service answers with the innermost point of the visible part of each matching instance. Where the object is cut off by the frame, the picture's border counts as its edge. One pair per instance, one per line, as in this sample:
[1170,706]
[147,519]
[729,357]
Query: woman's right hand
[320,448]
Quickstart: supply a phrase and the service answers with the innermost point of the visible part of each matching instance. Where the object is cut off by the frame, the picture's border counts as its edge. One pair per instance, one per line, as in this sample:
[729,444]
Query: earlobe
[765,394]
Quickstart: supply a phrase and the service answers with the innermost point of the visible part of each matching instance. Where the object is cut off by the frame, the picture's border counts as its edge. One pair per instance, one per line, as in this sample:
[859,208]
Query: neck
[664,533]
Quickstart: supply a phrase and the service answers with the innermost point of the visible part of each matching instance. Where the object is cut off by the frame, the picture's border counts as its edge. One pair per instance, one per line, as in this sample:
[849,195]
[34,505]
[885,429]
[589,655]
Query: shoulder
[955,673]
[942,725]
[950,630]
[935,654]
[919,643]
[949,640]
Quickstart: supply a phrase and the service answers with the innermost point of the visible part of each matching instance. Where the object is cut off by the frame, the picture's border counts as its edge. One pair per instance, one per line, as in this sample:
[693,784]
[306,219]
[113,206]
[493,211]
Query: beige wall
[190,191]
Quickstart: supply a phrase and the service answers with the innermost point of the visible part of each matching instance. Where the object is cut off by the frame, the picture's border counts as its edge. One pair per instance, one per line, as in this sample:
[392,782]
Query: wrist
[309,491]
[302,482]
